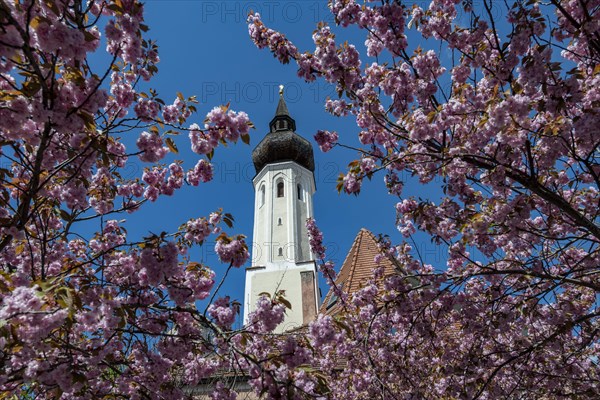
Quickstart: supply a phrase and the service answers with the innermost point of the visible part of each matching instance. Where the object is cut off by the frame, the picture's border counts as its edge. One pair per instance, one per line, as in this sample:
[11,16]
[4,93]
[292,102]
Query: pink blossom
[171,114]
[234,251]
[224,312]
[267,315]
[146,110]
[229,124]
[315,238]
[202,172]
[202,143]
[351,183]
[321,331]
[197,230]
[151,146]
[326,140]
[367,165]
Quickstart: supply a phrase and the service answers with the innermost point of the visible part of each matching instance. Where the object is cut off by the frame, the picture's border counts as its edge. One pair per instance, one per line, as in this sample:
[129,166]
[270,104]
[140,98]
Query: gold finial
[281,90]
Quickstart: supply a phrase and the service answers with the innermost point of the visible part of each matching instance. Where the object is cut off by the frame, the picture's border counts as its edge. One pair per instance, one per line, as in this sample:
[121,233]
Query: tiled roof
[357,269]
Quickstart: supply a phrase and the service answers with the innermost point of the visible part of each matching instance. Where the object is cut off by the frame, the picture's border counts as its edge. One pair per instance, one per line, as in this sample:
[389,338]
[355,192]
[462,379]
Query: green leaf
[88,119]
[36,21]
[53,7]
[342,325]
[236,306]
[286,303]
[65,215]
[115,8]
[244,340]
[30,88]
[340,183]
[88,36]
[19,249]
[171,145]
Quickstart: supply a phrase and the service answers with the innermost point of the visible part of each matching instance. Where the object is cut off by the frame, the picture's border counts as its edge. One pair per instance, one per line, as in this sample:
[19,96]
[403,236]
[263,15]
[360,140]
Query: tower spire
[282,121]
[282,109]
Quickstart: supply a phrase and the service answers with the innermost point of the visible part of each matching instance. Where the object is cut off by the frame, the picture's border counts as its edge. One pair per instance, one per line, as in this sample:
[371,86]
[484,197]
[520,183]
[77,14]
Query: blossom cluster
[504,133]
[232,250]
[87,311]
[326,140]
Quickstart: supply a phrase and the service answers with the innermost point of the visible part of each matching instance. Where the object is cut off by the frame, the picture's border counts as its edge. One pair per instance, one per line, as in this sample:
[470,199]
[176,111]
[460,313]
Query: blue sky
[205,51]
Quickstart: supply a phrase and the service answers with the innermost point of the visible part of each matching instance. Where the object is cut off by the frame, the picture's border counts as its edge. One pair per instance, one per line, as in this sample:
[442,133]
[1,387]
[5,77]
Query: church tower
[283,186]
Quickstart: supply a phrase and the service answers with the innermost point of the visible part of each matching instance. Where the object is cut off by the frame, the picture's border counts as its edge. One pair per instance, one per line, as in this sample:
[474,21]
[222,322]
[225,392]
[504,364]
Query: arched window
[299,192]
[262,195]
[280,253]
[279,221]
[279,189]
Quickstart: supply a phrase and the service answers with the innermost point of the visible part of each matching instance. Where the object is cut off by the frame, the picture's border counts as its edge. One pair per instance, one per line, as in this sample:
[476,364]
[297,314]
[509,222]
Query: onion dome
[282,143]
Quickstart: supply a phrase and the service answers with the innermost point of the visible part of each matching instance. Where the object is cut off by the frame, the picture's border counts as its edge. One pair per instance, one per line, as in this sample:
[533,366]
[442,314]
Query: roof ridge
[346,259]
[376,241]
[353,263]
[341,273]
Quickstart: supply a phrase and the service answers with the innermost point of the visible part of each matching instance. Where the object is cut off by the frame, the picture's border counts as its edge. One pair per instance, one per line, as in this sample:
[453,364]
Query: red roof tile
[357,269]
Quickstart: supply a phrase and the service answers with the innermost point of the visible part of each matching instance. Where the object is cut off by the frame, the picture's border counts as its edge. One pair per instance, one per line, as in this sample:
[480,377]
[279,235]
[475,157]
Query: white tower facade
[281,258]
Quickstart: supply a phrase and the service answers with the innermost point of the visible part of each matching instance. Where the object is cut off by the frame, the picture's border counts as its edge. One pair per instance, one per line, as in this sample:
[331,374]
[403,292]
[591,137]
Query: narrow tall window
[279,222]
[280,253]
[299,192]
[280,189]
[262,195]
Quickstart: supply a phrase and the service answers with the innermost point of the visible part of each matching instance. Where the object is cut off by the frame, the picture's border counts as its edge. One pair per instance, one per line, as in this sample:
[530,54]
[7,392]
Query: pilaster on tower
[284,185]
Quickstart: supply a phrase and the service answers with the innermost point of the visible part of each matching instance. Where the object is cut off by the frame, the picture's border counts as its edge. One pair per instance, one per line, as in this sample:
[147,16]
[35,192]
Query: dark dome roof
[282,143]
